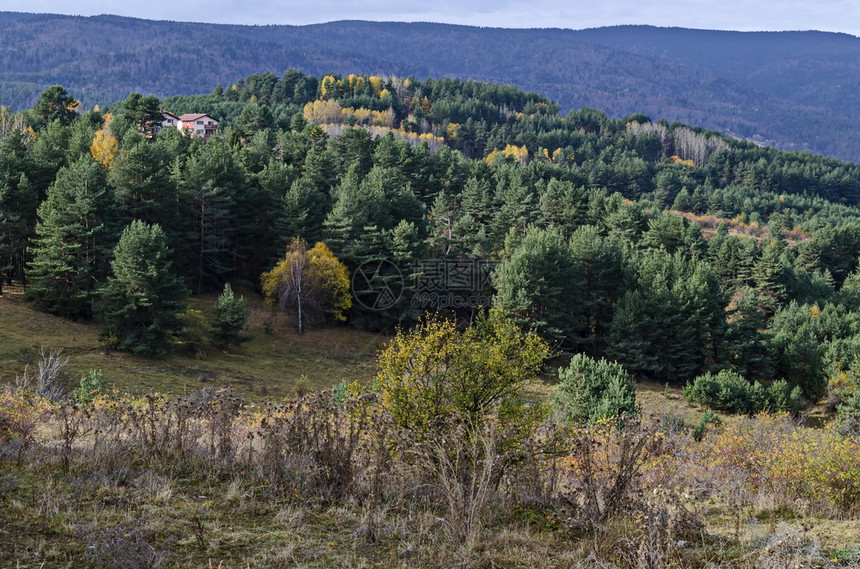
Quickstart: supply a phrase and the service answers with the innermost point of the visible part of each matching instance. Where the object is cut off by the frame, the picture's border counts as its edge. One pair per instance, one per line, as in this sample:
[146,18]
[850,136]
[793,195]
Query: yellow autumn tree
[105,145]
[554,157]
[674,159]
[451,131]
[323,112]
[516,153]
[362,116]
[383,118]
[375,84]
[311,283]
[354,83]
[327,86]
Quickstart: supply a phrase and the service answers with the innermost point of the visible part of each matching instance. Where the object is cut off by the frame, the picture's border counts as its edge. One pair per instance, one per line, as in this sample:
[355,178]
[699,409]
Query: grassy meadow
[252,477]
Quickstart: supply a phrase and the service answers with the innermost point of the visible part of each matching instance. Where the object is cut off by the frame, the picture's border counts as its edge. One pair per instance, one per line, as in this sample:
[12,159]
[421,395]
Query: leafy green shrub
[725,391]
[91,386]
[783,397]
[592,390]
[709,418]
[731,392]
[848,423]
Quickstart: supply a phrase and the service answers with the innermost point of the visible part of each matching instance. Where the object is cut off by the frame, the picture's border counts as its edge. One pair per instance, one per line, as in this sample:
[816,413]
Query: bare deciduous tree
[50,379]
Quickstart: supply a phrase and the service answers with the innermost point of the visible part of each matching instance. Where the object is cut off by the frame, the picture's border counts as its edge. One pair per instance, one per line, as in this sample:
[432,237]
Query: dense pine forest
[622,250]
[793,90]
[673,250]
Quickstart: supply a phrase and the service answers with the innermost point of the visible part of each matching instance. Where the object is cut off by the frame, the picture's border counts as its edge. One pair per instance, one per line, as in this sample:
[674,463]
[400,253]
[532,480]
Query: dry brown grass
[737,228]
[199,482]
[157,482]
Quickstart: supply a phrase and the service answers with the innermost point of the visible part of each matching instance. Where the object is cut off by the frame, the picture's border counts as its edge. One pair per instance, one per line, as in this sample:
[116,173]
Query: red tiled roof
[193,117]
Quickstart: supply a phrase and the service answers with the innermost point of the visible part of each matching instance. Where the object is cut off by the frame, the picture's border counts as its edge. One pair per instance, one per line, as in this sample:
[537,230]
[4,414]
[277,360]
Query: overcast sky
[826,15]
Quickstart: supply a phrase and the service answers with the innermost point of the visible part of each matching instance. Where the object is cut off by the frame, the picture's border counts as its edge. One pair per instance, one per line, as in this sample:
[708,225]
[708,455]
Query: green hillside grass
[273,365]
[277,363]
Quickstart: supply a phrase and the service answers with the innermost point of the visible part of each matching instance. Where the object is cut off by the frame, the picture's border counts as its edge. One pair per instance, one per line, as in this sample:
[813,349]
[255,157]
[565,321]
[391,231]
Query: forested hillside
[575,210]
[617,254]
[795,90]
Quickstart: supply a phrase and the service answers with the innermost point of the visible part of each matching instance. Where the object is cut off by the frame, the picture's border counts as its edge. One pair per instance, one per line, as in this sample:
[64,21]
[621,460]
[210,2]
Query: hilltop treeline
[795,90]
[575,208]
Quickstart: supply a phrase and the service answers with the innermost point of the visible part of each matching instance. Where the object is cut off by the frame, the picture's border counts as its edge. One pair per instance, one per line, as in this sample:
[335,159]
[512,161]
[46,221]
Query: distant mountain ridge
[795,90]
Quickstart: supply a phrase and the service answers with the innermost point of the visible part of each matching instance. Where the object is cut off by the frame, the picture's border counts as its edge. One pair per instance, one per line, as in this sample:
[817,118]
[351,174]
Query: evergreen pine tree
[18,202]
[209,185]
[143,297]
[141,181]
[228,317]
[303,210]
[747,347]
[539,286]
[594,390]
[74,238]
[769,274]
[599,263]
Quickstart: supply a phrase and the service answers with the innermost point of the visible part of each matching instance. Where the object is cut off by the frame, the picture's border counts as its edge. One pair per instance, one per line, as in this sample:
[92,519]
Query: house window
[199,122]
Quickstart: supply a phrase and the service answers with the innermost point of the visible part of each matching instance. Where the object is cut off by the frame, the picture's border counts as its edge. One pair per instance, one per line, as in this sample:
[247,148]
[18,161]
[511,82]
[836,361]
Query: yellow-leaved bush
[436,369]
[20,415]
[772,454]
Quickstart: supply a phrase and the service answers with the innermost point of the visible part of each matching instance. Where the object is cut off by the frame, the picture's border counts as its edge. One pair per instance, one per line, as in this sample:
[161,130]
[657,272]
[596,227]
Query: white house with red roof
[197,125]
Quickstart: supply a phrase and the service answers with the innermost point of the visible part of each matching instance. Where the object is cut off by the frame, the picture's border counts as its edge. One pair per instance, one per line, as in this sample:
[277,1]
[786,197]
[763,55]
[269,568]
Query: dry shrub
[74,421]
[115,433]
[770,456]
[664,532]
[463,463]
[616,484]
[313,448]
[20,415]
[49,379]
[602,473]
[533,480]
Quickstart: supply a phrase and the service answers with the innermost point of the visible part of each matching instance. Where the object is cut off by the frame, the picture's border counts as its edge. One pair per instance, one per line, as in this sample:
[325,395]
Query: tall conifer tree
[143,296]
[75,234]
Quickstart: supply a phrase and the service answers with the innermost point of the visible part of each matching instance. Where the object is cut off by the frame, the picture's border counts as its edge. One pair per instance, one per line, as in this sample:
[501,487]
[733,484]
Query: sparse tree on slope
[227,319]
[311,282]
